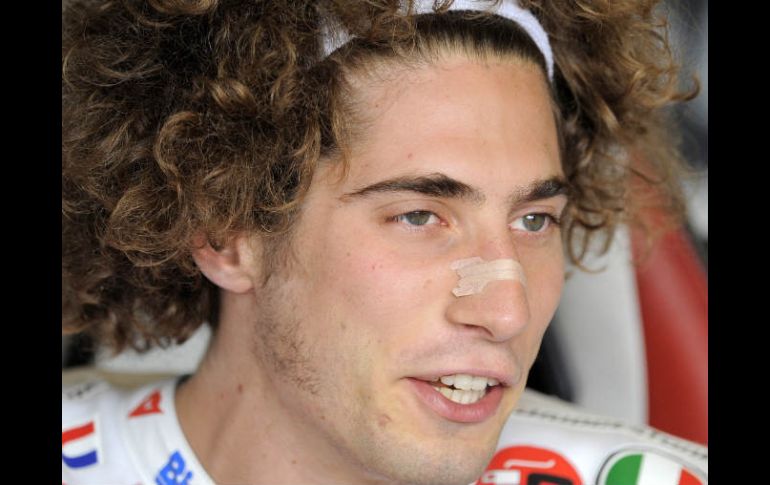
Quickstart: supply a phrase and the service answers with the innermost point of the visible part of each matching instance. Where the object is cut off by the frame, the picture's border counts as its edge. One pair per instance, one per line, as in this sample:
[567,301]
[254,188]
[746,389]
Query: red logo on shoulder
[150,405]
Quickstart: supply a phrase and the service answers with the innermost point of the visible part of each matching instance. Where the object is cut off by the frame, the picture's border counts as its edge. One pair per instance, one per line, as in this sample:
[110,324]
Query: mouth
[462,398]
[464,388]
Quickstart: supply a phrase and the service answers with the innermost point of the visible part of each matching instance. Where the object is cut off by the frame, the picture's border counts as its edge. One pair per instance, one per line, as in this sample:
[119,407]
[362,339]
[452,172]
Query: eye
[417,218]
[536,223]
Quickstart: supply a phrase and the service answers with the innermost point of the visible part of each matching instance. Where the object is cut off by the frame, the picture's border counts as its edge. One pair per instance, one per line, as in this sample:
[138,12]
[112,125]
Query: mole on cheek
[383,420]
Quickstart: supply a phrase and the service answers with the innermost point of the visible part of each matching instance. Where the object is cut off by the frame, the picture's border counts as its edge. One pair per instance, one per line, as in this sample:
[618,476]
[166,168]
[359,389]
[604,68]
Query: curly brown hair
[190,120]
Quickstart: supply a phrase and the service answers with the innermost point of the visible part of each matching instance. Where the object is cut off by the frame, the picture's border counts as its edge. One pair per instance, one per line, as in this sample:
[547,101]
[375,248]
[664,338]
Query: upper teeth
[469,382]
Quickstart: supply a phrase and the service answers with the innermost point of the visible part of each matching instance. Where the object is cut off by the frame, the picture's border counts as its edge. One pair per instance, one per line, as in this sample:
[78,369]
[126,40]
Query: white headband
[509,9]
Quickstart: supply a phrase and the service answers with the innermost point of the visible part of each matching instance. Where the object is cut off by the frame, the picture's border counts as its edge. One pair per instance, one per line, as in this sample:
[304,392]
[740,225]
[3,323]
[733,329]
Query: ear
[233,267]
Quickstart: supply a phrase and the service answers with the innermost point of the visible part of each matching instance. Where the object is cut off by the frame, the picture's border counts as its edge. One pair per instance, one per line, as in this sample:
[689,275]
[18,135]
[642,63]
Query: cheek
[545,277]
[362,271]
[382,288]
[371,289]
[366,307]
[546,292]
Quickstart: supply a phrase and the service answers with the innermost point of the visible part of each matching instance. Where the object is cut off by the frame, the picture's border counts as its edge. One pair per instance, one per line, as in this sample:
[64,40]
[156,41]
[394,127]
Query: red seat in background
[673,297]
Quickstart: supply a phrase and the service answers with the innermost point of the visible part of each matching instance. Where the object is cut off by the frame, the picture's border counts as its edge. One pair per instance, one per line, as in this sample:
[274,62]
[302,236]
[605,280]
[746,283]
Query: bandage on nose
[475,273]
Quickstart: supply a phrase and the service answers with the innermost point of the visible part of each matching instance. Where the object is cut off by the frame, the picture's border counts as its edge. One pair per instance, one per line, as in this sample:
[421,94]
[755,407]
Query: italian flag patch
[646,468]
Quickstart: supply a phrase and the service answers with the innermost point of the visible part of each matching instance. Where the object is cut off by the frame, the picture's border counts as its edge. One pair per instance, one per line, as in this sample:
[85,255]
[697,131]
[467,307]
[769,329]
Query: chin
[450,461]
[443,472]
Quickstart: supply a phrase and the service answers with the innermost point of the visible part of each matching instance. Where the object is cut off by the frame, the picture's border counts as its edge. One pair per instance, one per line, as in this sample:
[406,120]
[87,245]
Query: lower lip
[477,412]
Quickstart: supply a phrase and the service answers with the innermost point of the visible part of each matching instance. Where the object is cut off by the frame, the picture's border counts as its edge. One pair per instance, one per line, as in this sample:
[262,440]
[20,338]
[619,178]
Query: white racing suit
[114,436]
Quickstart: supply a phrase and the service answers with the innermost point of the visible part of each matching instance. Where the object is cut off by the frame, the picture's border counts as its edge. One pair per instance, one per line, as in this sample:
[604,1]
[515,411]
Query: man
[378,301]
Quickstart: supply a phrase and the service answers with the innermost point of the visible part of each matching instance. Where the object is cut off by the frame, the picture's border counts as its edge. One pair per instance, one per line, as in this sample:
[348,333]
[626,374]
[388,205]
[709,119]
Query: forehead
[461,117]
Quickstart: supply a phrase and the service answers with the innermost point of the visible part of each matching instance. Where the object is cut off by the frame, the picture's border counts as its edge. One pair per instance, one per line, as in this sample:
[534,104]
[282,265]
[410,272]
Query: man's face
[365,313]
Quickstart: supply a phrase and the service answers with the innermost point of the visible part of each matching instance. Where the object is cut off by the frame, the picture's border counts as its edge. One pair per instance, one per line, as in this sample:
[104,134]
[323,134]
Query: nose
[501,309]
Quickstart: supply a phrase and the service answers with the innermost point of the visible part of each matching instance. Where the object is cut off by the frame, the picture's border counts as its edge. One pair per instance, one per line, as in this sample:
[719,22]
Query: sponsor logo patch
[84,390]
[647,467]
[150,405]
[80,445]
[174,472]
[529,465]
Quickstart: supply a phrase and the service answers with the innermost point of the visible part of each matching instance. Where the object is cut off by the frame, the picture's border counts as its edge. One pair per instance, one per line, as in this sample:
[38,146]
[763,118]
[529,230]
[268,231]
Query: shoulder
[565,444]
[94,449]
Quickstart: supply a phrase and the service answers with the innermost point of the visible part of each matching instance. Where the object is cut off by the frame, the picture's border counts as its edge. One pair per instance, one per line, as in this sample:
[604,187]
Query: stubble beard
[279,344]
[383,457]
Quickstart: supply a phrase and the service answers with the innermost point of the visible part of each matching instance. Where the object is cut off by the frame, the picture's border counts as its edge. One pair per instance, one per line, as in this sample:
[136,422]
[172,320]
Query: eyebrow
[440,185]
